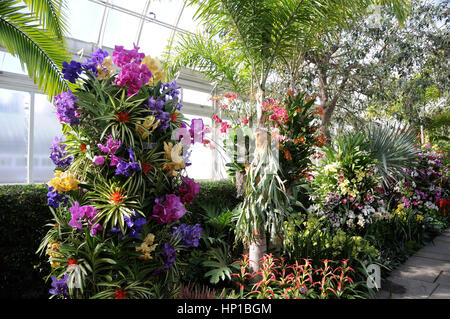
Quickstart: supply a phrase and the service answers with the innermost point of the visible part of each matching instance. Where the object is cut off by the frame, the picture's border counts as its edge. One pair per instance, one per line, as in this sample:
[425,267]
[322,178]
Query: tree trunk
[240,183]
[323,94]
[258,246]
[257,249]
[276,240]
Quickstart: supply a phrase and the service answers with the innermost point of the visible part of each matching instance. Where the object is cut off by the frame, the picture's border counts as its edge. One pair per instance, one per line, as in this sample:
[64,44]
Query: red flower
[120,294]
[444,203]
[122,117]
[224,127]
[83,148]
[216,119]
[72,261]
[116,197]
[146,168]
[174,116]
[320,110]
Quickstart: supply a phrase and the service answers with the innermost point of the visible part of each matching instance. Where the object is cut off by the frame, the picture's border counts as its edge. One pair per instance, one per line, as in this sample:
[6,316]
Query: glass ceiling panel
[154,39]
[187,21]
[121,29]
[165,11]
[85,18]
[133,5]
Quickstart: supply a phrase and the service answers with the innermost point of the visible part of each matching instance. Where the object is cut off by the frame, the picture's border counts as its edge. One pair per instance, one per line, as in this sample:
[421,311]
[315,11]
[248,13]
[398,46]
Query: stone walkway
[425,275]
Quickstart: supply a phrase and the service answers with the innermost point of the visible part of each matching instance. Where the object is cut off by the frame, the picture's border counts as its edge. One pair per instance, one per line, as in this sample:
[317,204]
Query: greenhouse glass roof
[150,24]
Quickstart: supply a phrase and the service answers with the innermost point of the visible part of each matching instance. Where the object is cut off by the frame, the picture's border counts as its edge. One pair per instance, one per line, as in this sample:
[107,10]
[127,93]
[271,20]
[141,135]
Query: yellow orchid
[173,153]
[105,70]
[154,65]
[64,181]
[149,124]
[400,212]
[52,249]
[147,247]
[419,218]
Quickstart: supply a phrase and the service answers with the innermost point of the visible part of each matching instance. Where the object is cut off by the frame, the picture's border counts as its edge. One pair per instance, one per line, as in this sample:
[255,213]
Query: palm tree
[248,38]
[33,30]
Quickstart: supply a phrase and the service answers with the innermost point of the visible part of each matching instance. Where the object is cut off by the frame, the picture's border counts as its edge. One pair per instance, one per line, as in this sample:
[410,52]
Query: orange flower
[116,197]
[320,140]
[290,92]
[287,155]
[298,110]
[300,140]
[320,111]
[174,116]
[122,117]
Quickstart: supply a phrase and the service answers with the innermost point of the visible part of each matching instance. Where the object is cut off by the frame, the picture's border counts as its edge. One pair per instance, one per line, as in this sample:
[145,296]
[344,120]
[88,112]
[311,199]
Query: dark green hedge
[221,193]
[23,214]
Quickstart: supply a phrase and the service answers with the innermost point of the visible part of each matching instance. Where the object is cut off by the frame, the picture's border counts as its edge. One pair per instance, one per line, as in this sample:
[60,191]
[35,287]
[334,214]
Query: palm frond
[51,15]
[40,50]
[217,61]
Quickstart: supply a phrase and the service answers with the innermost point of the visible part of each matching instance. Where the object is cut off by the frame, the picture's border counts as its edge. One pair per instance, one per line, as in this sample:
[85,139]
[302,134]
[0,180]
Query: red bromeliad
[122,117]
[146,168]
[116,197]
[120,294]
[276,279]
[72,261]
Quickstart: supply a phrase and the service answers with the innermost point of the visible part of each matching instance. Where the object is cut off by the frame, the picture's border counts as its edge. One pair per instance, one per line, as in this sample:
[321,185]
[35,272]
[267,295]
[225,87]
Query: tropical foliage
[33,30]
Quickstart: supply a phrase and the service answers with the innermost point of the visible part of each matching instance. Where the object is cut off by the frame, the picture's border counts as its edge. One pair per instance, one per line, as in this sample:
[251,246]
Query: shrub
[220,193]
[23,213]
[345,187]
[307,237]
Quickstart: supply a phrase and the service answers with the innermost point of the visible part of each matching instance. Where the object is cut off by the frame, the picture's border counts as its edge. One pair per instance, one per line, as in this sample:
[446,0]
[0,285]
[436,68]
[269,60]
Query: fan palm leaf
[394,148]
[39,49]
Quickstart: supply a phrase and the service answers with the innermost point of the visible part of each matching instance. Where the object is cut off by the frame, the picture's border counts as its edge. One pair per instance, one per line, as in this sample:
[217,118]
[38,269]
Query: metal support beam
[30,151]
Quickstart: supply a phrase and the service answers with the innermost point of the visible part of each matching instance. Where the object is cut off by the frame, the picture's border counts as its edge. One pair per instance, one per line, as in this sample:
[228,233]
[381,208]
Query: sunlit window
[46,127]
[14,109]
